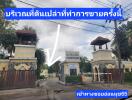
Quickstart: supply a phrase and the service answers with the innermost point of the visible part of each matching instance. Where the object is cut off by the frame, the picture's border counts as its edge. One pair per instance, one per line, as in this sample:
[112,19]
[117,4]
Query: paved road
[22,94]
[69,91]
[52,90]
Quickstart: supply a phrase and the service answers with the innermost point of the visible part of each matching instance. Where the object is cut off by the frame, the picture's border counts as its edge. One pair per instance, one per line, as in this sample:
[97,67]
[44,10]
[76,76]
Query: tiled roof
[25,32]
[100,41]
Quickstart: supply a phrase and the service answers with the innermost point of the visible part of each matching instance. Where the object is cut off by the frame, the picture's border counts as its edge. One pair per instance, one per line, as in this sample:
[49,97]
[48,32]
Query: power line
[112,2]
[28,3]
[110,31]
[119,4]
[128,5]
[128,9]
[80,20]
[104,5]
[59,22]
[103,26]
[76,20]
[73,26]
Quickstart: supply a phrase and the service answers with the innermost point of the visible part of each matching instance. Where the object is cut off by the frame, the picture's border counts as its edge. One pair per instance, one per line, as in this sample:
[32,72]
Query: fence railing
[17,79]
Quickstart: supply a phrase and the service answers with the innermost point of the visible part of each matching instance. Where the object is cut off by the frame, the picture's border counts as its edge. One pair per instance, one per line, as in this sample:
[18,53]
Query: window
[73,72]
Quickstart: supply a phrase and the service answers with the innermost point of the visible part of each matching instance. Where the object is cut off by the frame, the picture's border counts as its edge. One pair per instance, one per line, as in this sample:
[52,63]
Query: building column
[124,70]
[98,75]
[94,75]
[100,46]
[129,69]
[106,46]
[94,48]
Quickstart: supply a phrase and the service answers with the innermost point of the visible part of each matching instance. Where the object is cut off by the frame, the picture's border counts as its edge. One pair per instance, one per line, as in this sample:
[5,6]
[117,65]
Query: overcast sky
[70,38]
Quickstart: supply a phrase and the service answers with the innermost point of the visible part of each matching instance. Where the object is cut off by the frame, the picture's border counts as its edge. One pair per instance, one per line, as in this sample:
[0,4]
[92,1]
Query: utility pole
[118,47]
[118,51]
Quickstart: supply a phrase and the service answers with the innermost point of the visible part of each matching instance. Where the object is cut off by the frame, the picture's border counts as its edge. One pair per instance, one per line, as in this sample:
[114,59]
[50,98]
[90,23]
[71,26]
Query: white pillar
[129,69]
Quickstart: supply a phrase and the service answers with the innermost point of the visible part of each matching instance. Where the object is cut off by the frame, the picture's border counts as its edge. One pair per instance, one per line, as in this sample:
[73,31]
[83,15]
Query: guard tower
[70,66]
[102,58]
[20,71]
[26,37]
[25,48]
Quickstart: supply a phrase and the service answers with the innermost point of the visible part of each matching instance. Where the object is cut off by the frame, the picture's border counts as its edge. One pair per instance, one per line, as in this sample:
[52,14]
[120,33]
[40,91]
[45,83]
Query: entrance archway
[102,70]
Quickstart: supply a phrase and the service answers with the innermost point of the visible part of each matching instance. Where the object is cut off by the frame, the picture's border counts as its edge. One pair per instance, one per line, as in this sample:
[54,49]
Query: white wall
[102,55]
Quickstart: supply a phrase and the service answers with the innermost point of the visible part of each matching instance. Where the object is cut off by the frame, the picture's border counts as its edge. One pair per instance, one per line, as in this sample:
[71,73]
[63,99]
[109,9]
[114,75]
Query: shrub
[42,77]
[73,79]
[1,82]
[128,77]
[1,56]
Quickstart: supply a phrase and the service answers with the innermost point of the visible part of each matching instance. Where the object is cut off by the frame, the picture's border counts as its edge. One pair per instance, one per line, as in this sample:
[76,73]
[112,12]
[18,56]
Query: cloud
[70,38]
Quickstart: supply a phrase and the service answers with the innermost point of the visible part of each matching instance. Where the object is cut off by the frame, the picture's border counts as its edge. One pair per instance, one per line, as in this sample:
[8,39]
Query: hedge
[42,77]
[73,79]
[1,56]
[128,77]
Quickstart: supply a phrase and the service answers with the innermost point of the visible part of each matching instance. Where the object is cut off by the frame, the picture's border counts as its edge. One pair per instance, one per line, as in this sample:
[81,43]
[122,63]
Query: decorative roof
[100,41]
[26,37]
[25,32]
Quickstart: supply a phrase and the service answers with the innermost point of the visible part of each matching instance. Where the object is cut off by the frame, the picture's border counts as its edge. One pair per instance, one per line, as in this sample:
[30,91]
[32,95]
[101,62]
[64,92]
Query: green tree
[51,70]
[7,31]
[45,66]
[125,41]
[129,32]
[7,40]
[6,4]
[39,54]
[123,45]
[54,68]
[129,36]
[5,24]
[85,65]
